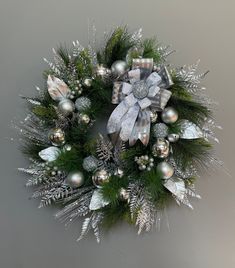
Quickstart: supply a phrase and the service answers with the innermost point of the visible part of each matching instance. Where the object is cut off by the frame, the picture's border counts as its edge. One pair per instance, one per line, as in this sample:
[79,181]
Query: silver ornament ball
[169,115]
[153,117]
[67,147]
[87,82]
[160,130]
[100,177]
[84,118]
[57,136]
[173,137]
[102,71]
[66,107]
[161,148]
[119,67]
[124,195]
[90,163]
[82,104]
[165,169]
[119,172]
[75,179]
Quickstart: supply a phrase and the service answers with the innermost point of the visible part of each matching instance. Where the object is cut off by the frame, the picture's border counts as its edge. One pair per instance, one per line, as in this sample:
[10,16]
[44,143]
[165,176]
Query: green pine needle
[116,47]
[111,189]
[150,49]
[187,152]
[153,183]
[69,160]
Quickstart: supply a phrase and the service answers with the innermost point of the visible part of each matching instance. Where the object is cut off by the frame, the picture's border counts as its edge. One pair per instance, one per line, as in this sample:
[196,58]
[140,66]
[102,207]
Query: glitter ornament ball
[161,148]
[66,107]
[75,179]
[82,104]
[165,169]
[100,177]
[57,136]
[90,163]
[173,137]
[169,115]
[160,130]
[118,68]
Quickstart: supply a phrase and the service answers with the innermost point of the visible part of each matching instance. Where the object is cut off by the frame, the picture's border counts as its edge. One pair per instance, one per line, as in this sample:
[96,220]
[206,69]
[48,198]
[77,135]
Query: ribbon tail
[141,129]
[114,122]
[128,122]
[117,95]
[166,77]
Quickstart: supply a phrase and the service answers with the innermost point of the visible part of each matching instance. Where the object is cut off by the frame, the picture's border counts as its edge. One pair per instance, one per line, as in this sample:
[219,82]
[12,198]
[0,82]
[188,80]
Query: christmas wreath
[155,140]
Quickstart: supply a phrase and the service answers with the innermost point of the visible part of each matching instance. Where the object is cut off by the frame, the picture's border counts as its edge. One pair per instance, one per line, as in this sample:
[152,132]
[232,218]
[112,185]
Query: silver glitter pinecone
[160,130]
[90,163]
[82,104]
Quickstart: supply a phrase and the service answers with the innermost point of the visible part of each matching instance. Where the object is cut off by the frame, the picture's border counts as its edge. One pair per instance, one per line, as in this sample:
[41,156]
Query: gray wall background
[31,238]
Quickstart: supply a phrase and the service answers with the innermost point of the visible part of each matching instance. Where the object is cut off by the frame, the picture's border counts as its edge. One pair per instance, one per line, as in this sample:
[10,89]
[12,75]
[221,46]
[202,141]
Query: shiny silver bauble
[66,107]
[165,169]
[84,118]
[119,67]
[173,137]
[75,179]
[153,117]
[102,72]
[87,82]
[124,194]
[56,136]
[169,115]
[161,148]
[67,147]
[100,177]
[119,172]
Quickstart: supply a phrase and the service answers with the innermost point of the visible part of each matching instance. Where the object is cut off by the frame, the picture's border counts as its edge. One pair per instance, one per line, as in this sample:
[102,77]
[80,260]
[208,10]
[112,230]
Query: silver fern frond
[104,149]
[146,216]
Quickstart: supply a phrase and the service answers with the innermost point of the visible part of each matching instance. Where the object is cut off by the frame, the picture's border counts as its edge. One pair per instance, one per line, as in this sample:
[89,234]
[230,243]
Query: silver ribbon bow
[144,92]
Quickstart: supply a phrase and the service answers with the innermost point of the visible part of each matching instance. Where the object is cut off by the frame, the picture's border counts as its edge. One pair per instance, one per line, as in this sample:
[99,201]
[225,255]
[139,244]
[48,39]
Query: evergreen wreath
[157,137]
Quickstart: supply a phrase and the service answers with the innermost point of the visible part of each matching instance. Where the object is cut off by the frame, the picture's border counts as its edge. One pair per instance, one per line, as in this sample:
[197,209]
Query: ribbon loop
[130,120]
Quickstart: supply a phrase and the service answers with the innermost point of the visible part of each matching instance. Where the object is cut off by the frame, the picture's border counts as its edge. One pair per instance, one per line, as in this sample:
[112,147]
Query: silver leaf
[49,154]
[57,88]
[97,200]
[189,130]
[176,186]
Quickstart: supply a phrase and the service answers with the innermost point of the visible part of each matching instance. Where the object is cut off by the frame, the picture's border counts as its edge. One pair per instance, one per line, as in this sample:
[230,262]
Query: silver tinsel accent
[90,163]
[142,206]
[180,172]
[92,222]
[104,149]
[160,130]
[188,130]
[82,104]
[189,77]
